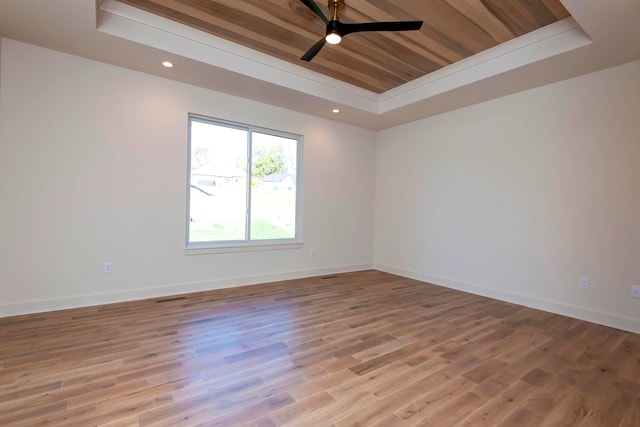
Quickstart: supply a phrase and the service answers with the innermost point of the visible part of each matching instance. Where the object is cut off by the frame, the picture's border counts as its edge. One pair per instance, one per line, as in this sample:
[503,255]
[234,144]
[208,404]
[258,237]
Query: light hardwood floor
[356,349]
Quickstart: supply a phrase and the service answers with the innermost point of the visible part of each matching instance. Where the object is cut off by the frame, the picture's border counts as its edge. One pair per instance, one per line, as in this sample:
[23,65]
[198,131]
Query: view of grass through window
[242,184]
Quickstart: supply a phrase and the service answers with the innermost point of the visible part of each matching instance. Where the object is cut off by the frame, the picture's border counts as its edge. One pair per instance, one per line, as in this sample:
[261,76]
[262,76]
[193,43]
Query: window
[243,186]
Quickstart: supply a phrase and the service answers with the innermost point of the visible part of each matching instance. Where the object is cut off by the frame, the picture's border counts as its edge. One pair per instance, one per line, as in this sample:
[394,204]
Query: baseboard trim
[54,304]
[589,315]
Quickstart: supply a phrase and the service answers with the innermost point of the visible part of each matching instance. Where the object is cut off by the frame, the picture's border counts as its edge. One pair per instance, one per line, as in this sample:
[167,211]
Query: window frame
[245,245]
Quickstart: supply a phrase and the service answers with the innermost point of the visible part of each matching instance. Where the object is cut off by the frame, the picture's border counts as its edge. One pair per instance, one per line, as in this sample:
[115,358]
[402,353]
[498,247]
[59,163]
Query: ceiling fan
[336,29]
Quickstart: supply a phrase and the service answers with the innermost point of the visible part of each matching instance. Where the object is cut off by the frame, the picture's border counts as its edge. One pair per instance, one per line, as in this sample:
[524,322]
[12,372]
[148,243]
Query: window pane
[218,185]
[237,201]
[273,187]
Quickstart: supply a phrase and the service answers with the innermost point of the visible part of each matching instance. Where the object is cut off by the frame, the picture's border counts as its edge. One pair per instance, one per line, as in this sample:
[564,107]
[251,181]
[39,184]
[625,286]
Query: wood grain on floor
[357,349]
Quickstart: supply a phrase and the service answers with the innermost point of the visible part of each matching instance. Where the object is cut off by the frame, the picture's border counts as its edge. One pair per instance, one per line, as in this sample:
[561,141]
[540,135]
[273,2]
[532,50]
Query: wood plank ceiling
[452,30]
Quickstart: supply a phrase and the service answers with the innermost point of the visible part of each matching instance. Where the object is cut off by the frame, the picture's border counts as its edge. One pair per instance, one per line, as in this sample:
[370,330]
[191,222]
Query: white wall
[519,197]
[514,198]
[93,169]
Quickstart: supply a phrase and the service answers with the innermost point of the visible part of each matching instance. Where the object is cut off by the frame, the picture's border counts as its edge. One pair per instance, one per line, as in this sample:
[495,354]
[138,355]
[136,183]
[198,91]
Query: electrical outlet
[635,291]
[584,282]
[108,267]
[312,252]
[401,252]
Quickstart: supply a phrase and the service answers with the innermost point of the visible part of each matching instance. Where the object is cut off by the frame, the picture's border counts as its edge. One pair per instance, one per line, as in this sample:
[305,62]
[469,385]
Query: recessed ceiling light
[167,64]
[335,111]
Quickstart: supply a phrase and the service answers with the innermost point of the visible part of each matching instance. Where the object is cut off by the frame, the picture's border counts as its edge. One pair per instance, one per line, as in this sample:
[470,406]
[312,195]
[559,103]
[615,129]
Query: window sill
[252,247]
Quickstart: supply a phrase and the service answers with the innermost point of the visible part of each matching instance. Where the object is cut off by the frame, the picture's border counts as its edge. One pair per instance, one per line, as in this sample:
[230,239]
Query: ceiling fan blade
[313,51]
[314,7]
[345,29]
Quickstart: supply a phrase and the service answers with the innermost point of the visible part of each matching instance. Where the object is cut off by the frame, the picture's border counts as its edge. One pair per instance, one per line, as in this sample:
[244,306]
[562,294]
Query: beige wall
[519,197]
[93,169]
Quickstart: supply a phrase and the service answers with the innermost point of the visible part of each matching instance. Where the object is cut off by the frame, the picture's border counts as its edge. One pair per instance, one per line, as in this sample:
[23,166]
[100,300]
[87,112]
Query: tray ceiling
[453,30]
[598,35]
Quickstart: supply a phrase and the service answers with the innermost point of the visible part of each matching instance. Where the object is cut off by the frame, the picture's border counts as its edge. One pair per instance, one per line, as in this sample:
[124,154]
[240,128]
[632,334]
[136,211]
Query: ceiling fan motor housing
[336,30]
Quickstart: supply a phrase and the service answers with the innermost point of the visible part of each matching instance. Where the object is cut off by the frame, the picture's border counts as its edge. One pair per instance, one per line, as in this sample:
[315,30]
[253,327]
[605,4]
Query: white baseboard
[594,316]
[39,306]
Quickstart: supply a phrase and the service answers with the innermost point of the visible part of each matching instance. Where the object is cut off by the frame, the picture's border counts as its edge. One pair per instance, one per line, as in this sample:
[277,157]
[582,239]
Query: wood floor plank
[521,417]
[364,348]
[498,409]
[433,401]
[368,381]
[342,407]
[452,409]
[310,404]
[570,411]
[329,381]
[381,408]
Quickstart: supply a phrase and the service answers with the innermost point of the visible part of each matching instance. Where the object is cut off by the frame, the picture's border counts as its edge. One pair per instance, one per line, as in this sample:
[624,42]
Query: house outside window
[243,186]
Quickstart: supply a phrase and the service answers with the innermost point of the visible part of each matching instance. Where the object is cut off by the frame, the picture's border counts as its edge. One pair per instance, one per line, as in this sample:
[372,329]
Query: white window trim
[195,249]
[203,248]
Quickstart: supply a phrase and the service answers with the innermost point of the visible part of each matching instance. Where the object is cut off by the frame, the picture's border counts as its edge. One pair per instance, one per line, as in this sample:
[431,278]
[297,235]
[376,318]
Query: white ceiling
[601,34]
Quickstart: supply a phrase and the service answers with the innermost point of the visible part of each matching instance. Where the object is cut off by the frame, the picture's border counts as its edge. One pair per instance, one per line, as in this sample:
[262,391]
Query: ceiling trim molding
[554,39]
[136,25]
[130,23]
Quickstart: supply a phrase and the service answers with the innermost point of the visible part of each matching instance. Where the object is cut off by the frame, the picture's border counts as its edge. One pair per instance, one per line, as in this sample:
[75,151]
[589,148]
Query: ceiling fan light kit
[333,38]
[336,30]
